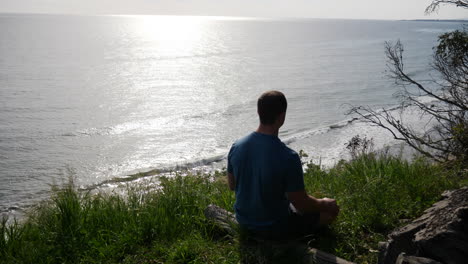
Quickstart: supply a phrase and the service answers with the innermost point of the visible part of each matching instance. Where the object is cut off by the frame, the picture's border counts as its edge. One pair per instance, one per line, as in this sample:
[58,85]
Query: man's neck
[267,130]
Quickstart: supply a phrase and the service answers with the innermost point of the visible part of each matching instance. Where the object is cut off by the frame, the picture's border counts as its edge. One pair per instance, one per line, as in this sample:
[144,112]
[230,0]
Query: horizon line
[232,17]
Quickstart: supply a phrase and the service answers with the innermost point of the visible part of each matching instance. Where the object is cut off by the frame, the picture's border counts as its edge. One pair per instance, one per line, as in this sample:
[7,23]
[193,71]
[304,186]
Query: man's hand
[305,203]
[329,205]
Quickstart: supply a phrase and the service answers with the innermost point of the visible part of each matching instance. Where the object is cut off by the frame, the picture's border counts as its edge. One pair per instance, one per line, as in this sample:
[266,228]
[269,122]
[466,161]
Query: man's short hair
[270,106]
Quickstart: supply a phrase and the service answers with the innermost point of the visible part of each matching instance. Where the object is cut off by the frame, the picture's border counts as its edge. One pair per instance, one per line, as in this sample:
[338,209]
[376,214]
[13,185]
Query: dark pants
[297,226]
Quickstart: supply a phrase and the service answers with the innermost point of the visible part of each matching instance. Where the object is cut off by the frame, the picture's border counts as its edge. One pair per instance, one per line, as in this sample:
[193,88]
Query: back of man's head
[270,106]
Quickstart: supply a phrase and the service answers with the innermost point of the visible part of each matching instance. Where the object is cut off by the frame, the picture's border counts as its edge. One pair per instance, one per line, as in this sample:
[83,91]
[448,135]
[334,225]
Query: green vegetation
[376,194]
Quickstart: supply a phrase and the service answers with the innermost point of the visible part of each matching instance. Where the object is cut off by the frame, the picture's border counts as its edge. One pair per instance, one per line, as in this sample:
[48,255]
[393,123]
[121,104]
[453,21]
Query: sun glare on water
[172,35]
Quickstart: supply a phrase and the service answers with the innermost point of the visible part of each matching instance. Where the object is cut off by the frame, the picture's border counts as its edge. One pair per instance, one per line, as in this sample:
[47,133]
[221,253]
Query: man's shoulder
[241,144]
[291,154]
[243,140]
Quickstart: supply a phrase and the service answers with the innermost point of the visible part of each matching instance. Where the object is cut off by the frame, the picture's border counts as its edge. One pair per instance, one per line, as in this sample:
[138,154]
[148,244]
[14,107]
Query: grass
[376,193]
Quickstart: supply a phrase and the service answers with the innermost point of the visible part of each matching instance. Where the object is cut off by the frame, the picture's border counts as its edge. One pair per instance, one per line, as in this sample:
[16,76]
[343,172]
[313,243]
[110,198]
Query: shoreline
[116,184]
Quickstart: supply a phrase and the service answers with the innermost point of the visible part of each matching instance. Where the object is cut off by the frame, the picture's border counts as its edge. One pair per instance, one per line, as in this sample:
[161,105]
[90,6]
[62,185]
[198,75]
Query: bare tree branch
[434,6]
[447,138]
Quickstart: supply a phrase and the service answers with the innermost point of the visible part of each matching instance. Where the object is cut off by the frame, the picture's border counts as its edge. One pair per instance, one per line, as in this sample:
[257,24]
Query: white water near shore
[108,96]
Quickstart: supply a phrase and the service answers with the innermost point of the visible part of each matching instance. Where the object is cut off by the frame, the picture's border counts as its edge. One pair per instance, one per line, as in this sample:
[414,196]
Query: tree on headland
[434,6]
[447,138]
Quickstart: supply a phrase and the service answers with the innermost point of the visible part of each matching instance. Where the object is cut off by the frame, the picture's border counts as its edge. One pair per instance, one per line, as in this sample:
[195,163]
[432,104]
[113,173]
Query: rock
[440,234]
[403,259]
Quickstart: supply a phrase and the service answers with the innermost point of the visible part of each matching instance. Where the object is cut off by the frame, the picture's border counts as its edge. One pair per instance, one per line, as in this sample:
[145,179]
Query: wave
[229,111]
[10,209]
[125,127]
[116,129]
[196,165]
[218,161]
[350,121]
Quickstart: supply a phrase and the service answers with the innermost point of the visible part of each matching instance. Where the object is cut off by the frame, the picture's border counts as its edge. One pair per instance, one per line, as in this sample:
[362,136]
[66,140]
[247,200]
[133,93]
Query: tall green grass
[76,227]
[167,225]
[376,193]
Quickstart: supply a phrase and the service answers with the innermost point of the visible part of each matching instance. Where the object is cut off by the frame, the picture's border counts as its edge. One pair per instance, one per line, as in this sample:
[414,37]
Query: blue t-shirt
[264,170]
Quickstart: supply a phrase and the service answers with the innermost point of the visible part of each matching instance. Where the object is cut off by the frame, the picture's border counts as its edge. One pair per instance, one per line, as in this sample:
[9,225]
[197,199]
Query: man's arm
[305,203]
[231,181]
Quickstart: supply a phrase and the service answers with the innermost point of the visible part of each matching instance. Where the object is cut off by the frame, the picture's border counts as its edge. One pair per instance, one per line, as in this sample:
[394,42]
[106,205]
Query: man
[267,178]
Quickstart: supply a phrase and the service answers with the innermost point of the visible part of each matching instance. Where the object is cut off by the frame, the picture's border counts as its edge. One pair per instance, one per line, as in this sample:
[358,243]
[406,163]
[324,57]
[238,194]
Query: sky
[354,9]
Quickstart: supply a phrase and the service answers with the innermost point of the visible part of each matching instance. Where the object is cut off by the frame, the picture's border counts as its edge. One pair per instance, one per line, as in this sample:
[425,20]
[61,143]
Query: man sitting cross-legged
[267,178]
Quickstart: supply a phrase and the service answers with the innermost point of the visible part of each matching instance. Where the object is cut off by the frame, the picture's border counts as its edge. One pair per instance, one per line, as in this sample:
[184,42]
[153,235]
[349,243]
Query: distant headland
[436,20]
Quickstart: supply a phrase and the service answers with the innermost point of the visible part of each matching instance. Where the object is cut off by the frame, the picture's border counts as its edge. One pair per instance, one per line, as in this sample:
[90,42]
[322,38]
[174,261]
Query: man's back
[267,176]
[264,170]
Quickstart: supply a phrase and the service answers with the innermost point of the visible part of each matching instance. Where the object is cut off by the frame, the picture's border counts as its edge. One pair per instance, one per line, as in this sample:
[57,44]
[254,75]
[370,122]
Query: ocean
[103,97]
